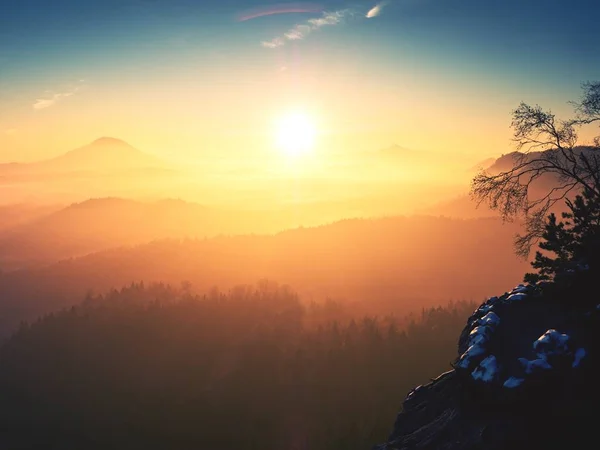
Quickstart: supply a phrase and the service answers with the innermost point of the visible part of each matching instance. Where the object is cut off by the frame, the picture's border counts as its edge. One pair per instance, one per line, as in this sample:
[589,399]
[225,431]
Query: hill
[14,215]
[417,261]
[157,368]
[462,206]
[99,224]
[103,154]
[103,223]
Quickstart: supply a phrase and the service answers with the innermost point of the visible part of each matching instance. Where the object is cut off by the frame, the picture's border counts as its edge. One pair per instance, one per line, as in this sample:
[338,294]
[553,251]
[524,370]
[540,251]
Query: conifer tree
[572,244]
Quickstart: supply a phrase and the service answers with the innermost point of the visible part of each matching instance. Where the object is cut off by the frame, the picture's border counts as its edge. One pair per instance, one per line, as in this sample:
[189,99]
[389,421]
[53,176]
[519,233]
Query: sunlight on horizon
[295,134]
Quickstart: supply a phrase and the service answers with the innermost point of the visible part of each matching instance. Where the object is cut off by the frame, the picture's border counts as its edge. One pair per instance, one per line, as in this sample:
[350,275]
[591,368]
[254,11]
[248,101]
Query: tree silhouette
[548,148]
[156,367]
[574,241]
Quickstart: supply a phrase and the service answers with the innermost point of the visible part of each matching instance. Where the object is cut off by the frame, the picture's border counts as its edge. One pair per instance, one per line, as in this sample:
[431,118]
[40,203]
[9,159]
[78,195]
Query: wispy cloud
[273,43]
[298,32]
[50,99]
[377,9]
[329,18]
[302,30]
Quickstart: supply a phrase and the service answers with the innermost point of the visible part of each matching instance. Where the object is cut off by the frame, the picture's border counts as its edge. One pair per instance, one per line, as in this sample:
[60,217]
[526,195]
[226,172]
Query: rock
[535,365]
[513,382]
[490,319]
[516,297]
[468,357]
[525,378]
[579,355]
[479,335]
[551,343]
[487,371]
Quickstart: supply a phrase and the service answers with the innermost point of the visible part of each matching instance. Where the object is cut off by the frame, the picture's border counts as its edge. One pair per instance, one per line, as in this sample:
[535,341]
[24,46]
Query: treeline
[411,262]
[254,368]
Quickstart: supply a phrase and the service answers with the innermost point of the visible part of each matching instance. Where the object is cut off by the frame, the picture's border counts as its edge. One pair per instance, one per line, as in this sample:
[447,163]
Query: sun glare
[295,134]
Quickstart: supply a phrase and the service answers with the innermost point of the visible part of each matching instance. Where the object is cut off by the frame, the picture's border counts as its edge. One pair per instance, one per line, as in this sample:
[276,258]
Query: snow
[472,352]
[490,319]
[517,297]
[479,335]
[414,391]
[551,343]
[520,289]
[535,365]
[513,382]
[478,339]
[484,309]
[487,370]
[579,355]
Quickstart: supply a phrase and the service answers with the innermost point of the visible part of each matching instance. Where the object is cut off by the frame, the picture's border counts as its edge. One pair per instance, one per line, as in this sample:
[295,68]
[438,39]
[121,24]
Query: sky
[196,79]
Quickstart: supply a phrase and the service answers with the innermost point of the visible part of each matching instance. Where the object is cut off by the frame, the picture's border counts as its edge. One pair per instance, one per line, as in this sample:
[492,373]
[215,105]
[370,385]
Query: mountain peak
[103,153]
[105,141]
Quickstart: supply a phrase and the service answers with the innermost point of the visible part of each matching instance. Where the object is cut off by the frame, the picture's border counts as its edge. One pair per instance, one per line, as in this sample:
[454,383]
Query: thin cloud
[377,9]
[298,32]
[273,43]
[328,19]
[302,30]
[52,99]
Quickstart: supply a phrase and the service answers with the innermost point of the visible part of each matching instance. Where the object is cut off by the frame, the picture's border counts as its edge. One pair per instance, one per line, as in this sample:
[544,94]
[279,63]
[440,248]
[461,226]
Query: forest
[157,367]
[384,264]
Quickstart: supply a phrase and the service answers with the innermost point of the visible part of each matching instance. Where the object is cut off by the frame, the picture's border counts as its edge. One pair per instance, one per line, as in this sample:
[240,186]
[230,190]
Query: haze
[327,147]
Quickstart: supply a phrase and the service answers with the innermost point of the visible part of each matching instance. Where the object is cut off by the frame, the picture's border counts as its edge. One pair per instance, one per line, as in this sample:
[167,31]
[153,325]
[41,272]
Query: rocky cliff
[524,377]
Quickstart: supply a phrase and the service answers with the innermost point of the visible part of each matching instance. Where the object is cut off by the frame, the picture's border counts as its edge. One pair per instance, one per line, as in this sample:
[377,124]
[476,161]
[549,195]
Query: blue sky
[483,56]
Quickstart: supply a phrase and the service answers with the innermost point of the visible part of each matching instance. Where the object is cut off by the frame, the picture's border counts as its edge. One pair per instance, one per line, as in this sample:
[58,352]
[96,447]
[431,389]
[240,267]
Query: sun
[295,134]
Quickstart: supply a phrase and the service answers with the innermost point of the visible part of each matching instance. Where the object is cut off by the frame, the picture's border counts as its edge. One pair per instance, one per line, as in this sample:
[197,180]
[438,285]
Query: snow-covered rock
[534,366]
[579,355]
[551,343]
[467,357]
[491,319]
[488,370]
[528,395]
[484,309]
[479,336]
[517,297]
[513,382]
[520,289]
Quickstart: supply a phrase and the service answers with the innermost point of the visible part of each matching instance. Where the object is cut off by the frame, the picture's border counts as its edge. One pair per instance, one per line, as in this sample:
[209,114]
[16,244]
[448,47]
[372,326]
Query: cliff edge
[524,376]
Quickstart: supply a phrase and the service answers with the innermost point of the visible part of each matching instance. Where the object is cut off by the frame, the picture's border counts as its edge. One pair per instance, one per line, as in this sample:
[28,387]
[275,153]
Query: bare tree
[549,148]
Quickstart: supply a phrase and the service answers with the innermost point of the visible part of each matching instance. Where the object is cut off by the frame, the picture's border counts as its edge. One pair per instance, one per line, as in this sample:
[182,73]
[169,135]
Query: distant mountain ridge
[103,154]
[384,259]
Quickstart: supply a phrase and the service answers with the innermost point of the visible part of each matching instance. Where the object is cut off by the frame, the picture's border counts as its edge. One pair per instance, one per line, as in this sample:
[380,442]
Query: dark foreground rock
[526,377]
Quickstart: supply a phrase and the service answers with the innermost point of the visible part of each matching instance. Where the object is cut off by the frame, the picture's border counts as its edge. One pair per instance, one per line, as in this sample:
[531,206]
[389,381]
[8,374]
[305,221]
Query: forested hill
[410,261]
[157,368]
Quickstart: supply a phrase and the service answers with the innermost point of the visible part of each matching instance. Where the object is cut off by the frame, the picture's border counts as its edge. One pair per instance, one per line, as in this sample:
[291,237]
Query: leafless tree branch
[546,148]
